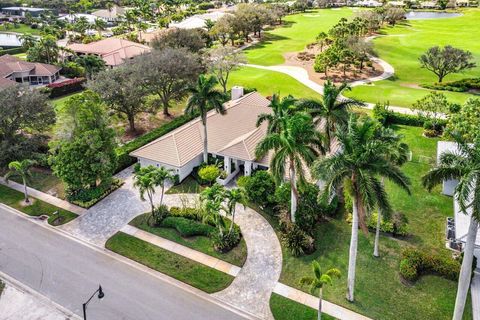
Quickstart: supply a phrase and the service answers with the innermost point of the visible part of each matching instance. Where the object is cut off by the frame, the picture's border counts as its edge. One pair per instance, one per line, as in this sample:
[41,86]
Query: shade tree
[222,61]
[446,60]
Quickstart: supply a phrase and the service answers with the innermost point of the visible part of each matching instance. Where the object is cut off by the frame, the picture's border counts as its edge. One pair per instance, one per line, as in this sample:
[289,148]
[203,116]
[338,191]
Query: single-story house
[231,137]
[14,70]
[113,51]
[198,20]
[76,16]
[113,15]
[21,11]
[457,228]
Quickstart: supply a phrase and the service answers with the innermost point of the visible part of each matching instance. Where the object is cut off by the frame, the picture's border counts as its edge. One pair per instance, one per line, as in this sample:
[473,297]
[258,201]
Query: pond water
[419,15]
[9,40]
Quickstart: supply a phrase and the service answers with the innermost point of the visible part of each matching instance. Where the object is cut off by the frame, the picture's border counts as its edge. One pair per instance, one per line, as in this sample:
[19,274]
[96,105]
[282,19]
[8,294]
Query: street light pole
[100,296]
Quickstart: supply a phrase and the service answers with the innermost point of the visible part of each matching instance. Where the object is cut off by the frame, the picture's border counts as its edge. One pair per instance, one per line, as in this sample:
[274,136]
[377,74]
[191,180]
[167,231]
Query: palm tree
[463,165]
[28,40]
[296,144]
[318,280]
[281,109]
[233,197]
[91,63]
[146,179]
[100,25]
[358,167]
[21,169]
[205,96]
[396,153]
[212,198]
[333,109]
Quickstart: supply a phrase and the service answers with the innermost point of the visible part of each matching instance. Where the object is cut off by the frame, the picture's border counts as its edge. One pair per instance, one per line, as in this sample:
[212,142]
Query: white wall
[182,172]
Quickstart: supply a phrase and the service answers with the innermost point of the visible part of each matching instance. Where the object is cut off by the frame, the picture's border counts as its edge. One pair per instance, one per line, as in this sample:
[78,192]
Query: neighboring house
[231,137]
[74,17]
[21,11]
[369,3]
[14,70]
[113,51]
[198,20]
[428,5]
[457,227]
[113,16]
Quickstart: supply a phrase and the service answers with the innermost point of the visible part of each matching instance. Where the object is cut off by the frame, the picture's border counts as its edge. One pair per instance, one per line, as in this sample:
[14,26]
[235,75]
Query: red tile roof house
[113,51]
[14,70]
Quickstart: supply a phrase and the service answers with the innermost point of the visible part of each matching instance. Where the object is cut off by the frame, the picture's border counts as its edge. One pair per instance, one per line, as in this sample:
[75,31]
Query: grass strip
[169,263]
[13,198]
[286,309]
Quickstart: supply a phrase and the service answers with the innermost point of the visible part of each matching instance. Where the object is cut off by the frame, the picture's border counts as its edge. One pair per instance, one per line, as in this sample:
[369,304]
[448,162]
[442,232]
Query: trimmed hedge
[88,197]
[388,117]
[188,213]
[12,51]
[64,88]
[455,86]
[416,263]
[125,160]
[187,227]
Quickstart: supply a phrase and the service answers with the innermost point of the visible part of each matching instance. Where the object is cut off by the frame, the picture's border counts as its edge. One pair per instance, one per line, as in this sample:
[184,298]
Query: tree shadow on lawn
[267,38]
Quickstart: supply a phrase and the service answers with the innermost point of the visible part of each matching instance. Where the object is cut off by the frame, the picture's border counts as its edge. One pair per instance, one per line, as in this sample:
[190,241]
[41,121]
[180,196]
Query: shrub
[188,213]
[187,227]
[86,198]
[66,87]
[209,173]
[397,225]
[205,6]
[455,86]
[416,263]
[227,241]
[260,188]
[387,117]
[297,241]
[72,69]
[158,215]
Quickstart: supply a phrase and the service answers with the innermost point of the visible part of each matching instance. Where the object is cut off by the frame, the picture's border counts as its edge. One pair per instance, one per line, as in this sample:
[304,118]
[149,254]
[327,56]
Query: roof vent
[237,92]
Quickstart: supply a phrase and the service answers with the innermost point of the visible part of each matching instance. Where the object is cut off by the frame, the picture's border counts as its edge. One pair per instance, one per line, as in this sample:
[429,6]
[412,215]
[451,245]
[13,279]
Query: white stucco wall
[182,172]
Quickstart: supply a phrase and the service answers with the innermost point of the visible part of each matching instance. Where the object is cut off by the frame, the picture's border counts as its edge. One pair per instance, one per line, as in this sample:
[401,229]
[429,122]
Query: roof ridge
[176,149]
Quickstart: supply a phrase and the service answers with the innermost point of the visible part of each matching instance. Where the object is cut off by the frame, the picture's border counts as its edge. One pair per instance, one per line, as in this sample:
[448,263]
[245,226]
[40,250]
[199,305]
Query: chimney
[237,92]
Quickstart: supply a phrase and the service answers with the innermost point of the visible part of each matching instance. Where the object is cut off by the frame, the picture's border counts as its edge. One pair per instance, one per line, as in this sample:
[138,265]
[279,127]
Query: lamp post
[100,296]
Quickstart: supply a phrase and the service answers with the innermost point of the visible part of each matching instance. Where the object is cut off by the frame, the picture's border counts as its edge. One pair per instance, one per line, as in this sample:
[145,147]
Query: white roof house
[461,219]
[198,20]
[232,136]
[74,17]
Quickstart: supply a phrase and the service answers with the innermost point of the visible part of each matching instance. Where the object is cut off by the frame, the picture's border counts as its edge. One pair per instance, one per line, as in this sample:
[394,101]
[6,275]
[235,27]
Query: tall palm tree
[396,153]
[21,169]
[100,25]
[358,167]
[233,197]
[333,109]
[205,96]
[296,145]
[463,165]
[318,280]
[281,109]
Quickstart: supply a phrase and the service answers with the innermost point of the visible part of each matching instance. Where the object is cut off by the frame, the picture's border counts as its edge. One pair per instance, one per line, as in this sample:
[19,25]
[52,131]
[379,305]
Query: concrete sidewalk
[331,309]
[45,197]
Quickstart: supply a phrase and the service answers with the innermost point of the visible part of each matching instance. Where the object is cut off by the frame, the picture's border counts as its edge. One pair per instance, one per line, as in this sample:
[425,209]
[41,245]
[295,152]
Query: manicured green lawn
[298,31]
[57,102]
[270,82]
[403,45]
[13,198]
[379,291]
[176,266]
[286,309]
[236,256]
[22,28]
[45,182]
[188,185]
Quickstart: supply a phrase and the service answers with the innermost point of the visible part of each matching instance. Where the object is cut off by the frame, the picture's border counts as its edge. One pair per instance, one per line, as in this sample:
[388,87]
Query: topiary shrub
[260,188]
[416,263]
[187,227]
[209,173]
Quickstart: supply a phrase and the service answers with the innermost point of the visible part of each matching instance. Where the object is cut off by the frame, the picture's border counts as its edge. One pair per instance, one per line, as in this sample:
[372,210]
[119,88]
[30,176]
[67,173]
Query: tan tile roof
[234,134]
[10,64]
[113,50]
[4,83]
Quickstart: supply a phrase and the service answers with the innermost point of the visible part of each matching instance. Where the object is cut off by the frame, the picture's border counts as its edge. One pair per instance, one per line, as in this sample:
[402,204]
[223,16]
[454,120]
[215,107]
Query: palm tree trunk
[205,140]
[320,297]
[163,192]
[233,221]
[466,270]
[352,259]
[294,192]
[377,231]
[26,191]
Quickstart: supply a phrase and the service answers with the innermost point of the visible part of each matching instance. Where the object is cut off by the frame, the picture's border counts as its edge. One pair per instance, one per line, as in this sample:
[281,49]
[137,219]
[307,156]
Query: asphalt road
[68,272]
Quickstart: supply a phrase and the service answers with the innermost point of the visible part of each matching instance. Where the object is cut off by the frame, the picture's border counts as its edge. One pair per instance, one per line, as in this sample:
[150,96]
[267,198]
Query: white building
[71,18]
[198,20]
[457,228]
[231,137]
